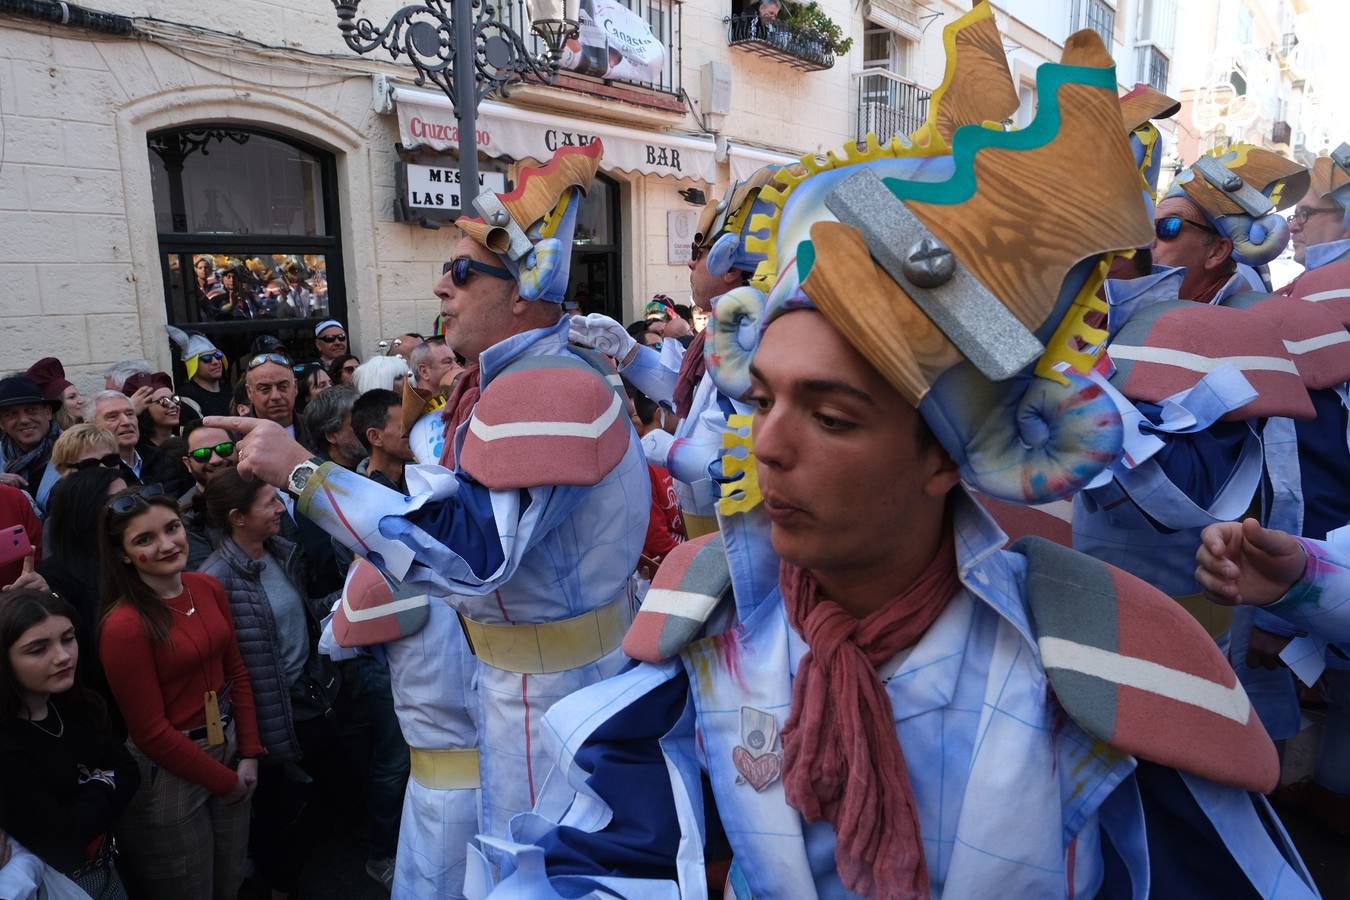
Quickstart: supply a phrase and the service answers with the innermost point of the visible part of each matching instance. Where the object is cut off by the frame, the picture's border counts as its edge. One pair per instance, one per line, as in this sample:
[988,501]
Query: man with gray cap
[330,339]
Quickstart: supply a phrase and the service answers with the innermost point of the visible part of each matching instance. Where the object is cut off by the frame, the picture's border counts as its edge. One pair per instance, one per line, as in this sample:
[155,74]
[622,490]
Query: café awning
[426,119]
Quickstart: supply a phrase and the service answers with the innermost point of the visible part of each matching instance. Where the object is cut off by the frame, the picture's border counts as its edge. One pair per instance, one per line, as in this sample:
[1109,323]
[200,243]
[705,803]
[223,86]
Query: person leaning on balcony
[765,25]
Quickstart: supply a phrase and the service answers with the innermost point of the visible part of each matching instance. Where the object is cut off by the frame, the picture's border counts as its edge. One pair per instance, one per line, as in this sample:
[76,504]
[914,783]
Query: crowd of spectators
[162,632]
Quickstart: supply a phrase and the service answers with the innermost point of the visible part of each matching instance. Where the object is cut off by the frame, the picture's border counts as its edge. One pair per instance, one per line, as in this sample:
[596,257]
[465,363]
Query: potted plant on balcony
[818,32]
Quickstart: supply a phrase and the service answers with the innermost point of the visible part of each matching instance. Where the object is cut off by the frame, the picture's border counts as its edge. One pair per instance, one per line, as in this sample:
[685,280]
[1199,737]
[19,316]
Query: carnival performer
[1186,369]
[721,260]
[532,525]
[1306,492]
[889,715]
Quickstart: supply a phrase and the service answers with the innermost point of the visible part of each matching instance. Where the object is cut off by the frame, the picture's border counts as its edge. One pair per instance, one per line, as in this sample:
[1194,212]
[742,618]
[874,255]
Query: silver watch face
[300,477]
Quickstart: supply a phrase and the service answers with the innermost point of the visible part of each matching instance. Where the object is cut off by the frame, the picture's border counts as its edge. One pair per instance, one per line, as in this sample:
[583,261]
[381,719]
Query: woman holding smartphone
[168,647]
[64,775]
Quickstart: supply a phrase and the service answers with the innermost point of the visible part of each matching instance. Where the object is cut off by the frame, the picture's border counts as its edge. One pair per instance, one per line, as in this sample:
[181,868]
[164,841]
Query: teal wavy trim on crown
[970,139]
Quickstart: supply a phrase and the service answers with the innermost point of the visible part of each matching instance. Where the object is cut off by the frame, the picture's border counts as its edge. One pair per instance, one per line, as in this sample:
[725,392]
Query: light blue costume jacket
[693,458]
[535,554]
[1014,800]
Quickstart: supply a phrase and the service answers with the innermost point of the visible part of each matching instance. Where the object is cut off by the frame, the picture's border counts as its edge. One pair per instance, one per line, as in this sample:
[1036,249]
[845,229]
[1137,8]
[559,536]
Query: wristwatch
[300,475]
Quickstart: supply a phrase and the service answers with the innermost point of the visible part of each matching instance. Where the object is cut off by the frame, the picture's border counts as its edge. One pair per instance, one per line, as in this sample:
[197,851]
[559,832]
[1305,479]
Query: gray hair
[378,372]
[111,395]
[119,372]
[325,413]
[422,353]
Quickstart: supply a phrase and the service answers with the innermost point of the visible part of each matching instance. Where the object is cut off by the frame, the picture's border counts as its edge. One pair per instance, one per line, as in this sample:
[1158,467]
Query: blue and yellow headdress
[1239,190]
[531,227]
[964,265]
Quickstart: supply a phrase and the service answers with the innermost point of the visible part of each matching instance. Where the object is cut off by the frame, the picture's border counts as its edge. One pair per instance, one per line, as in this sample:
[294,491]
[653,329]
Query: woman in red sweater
[168,646]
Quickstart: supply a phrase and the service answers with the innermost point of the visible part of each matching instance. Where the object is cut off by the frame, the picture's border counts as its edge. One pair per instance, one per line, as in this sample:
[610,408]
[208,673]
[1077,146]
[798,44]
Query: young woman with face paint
[168,645]
[65,777]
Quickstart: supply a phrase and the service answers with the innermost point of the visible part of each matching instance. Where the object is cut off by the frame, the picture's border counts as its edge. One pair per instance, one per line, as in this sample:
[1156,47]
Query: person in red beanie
[50,375]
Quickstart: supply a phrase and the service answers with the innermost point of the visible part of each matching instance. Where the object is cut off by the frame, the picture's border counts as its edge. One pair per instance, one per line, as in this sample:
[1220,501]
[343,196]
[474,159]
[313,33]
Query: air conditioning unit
[716,97]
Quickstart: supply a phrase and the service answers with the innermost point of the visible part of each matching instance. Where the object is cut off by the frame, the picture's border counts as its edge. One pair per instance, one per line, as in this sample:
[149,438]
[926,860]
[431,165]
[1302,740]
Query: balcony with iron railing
[605,52]
[890,104]
[798,47]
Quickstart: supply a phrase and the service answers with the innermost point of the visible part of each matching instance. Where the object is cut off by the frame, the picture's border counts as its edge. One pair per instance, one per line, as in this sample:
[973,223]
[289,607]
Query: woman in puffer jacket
[293,684]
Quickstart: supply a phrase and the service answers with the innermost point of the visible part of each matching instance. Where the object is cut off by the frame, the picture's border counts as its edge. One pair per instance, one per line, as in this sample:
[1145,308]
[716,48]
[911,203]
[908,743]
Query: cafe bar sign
[426,120]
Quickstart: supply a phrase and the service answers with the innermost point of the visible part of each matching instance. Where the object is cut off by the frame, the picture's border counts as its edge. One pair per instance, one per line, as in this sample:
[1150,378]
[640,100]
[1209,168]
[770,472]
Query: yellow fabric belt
[698,526]
[537,648]
[1216,619]
[445,770]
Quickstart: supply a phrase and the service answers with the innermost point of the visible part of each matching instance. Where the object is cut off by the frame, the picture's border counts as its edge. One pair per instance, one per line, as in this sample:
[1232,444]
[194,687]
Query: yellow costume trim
[741,494]
[538,648]
[445,770]
[1064,345]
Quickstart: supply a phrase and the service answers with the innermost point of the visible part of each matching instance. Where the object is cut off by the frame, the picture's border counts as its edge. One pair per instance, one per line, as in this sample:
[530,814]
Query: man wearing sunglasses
[270,379]
[532,528]
[210,451]
[330,339]
[205,366]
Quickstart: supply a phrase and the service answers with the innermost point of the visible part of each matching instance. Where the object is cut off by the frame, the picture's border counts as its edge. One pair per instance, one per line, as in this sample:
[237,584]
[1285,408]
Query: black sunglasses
[332,338]
[461,269]
[224,450]
[107,460]
[1168,227]
[127,501]
[696,251]
[263,359]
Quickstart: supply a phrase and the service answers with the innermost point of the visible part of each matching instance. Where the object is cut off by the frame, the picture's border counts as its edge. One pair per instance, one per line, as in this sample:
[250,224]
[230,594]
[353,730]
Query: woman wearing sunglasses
[341,370]
[168,644]
[65,777]
[84,446]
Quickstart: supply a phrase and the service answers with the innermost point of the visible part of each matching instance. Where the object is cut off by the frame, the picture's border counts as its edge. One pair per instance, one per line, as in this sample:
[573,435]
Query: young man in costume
[532,524]
[907,710]
[721,261]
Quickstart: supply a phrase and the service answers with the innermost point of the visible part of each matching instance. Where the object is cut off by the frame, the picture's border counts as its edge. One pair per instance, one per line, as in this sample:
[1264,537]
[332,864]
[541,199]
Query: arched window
[596,280]
[248,235]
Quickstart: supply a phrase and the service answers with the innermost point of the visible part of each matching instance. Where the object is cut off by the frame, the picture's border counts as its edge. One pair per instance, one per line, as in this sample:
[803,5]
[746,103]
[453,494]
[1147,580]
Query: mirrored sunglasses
[461,270]
[263,359]
[214,356]
[1168,227]
[225,449]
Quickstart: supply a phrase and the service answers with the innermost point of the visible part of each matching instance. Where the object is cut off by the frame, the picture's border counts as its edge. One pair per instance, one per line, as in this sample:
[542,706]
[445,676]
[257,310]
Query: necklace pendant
[192,611]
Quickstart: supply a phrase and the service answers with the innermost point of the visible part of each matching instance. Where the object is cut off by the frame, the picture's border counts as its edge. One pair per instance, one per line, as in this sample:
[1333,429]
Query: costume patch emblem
[758,763]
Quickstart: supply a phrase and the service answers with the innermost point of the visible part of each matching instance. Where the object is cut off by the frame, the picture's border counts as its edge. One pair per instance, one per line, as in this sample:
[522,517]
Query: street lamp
[467,52]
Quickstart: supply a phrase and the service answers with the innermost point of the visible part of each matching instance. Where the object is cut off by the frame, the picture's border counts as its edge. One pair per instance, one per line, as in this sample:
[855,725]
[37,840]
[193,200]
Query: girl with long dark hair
[168,647]
[64,775]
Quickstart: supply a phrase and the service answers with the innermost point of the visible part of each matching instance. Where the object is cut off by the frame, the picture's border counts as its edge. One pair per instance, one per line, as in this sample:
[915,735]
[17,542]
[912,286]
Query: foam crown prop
[921,254]
[723,229]
[1330,179]
[1139,107]
[1239,191]
[531,228]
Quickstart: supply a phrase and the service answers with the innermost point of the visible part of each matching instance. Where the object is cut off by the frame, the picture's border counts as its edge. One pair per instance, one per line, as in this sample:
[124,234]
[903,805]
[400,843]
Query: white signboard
[506,130]
[680,227]
[435,187]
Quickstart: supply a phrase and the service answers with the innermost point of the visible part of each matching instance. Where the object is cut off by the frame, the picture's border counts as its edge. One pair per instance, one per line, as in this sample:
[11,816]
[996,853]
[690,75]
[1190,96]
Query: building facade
[234,168]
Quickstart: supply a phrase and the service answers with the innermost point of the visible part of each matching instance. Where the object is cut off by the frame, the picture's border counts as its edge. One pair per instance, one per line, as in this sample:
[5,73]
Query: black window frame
[185,245]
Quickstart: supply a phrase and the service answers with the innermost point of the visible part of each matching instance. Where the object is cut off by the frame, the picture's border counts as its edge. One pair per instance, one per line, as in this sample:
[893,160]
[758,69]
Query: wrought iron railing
[666,20]
[889,104]
[1154,66]
[797,47]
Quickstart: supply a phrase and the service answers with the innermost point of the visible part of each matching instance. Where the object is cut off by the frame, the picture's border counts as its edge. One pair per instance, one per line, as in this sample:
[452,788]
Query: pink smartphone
[14,544]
